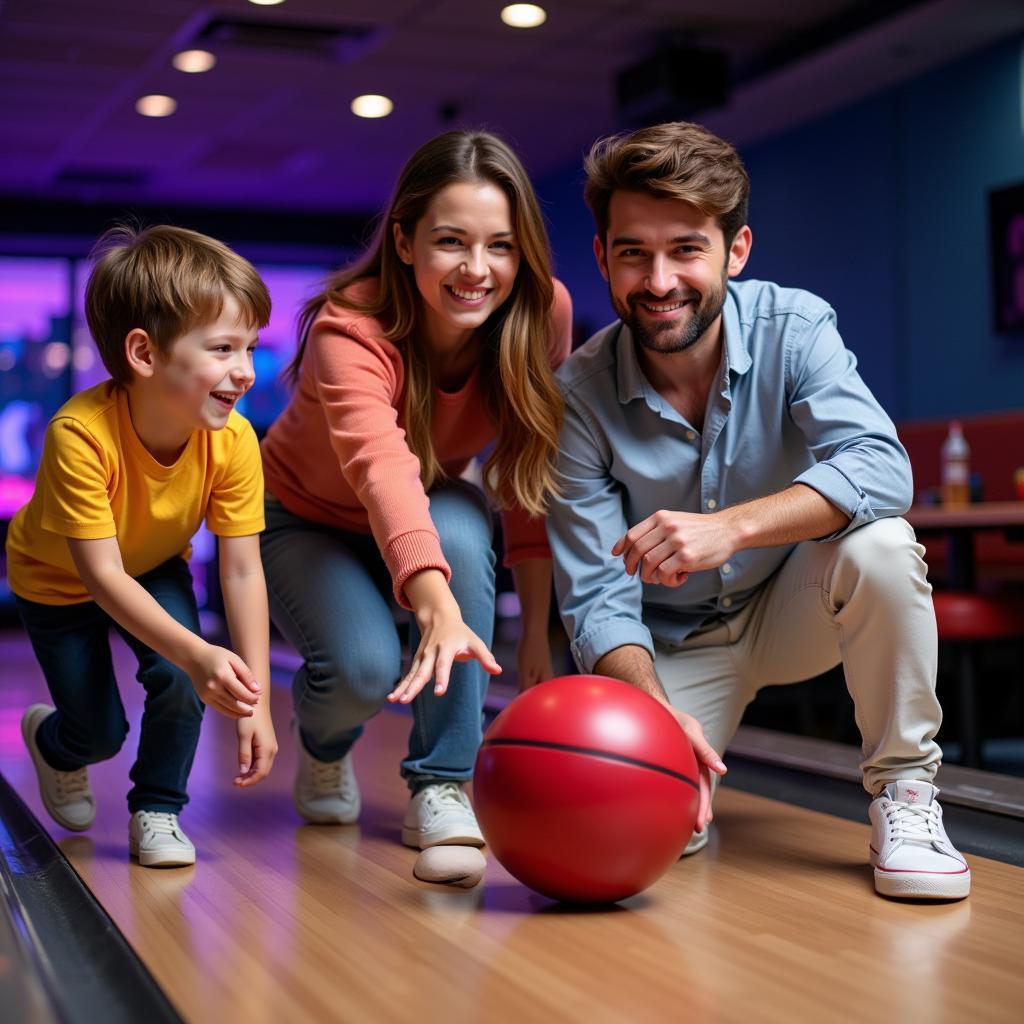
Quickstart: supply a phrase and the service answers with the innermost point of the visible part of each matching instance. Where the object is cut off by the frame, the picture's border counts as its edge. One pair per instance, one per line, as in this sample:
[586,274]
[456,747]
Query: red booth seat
[997,450]
[967,617]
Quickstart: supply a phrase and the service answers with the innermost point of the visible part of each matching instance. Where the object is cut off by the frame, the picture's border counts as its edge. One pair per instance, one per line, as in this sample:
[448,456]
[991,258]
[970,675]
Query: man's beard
[667,338]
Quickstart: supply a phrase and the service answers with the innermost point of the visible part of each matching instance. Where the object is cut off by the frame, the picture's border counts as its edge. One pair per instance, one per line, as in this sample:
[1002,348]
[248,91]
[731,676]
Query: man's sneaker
[326,792]
[697,842]
[910,851]
[66,795]
[155,837]
[440,815]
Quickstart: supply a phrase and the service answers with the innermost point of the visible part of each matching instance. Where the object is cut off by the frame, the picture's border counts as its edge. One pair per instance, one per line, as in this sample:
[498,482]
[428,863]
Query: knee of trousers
[170,689]
[98,742]
[884,554]
[359,685]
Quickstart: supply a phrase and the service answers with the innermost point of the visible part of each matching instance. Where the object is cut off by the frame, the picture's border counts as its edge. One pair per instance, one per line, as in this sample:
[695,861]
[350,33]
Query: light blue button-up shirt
[789,408]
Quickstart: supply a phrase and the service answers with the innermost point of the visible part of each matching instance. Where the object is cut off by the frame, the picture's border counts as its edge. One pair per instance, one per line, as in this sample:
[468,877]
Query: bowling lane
[775,921]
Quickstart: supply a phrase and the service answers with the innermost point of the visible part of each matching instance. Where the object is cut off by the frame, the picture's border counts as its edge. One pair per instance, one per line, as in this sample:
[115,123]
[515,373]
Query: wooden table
[960,525]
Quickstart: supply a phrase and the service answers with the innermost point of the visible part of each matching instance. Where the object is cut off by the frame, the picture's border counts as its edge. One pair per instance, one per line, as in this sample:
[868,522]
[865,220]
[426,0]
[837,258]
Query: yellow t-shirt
[96,479]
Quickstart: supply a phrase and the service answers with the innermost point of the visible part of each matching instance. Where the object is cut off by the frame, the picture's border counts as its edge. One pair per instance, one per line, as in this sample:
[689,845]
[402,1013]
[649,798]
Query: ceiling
[270,125]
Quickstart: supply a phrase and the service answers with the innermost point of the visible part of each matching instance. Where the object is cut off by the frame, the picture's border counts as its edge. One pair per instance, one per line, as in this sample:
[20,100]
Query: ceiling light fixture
[266,3]
[372,105]
[523,15]
[156,105]
[194,62]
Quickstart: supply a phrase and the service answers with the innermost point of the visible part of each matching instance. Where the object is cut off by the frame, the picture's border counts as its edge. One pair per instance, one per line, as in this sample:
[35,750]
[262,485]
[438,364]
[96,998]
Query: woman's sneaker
[440,815]
[910,851]
[156,839]
[67,796]
[326,792]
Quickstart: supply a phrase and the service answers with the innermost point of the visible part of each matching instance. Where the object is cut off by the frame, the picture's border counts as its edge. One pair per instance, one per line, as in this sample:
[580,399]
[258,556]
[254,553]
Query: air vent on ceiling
[334,42]
[109,177]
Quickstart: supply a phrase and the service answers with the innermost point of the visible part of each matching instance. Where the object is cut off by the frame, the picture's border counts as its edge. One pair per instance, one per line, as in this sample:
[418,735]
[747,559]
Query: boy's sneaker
[910,851]
[440,815]
[156,839]
[66,795]
[326,792]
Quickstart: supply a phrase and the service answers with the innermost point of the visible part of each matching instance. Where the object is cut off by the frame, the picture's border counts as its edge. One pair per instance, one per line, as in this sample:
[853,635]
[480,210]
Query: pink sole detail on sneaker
[922,871]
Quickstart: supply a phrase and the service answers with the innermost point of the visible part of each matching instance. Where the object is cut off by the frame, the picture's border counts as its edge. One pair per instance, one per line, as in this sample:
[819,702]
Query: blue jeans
[330,596]
[72,645]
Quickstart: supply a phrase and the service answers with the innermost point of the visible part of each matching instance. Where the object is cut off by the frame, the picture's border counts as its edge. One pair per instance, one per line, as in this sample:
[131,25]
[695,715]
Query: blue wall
[881,208]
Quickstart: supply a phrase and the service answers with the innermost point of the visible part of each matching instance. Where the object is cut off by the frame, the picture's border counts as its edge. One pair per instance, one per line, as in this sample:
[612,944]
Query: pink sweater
[338,455]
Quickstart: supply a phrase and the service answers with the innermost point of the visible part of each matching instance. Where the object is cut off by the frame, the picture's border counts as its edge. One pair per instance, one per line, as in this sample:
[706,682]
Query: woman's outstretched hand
[444,638]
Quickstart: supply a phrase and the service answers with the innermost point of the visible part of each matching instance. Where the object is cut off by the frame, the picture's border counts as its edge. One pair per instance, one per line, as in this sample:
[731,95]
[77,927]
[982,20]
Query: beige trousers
[863,600]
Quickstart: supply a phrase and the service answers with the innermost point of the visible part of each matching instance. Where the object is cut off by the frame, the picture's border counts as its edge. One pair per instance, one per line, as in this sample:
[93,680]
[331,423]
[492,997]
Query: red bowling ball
[586,789]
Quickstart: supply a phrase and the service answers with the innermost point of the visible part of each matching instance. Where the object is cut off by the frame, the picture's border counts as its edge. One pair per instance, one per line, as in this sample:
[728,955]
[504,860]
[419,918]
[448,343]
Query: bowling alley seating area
[981,619]
[997,452]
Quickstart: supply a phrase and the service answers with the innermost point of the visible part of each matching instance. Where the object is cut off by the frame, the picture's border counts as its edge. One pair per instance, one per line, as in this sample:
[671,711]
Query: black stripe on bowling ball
[593,752]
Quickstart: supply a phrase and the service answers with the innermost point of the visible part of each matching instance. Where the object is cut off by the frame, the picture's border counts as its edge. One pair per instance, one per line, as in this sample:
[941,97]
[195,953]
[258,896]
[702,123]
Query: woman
[439,343]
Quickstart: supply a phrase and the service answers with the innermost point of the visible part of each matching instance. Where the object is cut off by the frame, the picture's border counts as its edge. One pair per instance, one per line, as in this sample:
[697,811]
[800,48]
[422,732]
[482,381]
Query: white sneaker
[440,815]
[910,851]
[697,842]
[325,792]
[155,837]
[66,795]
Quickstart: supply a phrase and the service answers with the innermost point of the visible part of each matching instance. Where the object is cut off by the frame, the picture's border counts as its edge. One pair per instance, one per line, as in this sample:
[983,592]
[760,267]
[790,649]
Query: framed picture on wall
[1006,227]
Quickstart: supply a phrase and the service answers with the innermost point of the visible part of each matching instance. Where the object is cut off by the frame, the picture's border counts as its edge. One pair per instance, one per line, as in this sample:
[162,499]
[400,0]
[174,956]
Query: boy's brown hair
[676,160]
[166,281]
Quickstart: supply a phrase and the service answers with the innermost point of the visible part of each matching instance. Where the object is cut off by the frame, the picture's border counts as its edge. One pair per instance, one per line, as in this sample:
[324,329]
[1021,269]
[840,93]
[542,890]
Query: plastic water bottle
[956,468]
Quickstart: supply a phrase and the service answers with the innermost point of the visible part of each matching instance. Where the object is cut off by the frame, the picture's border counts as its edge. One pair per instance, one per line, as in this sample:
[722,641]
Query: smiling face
[194,384]
[209,369]
[465,258]
[666,265]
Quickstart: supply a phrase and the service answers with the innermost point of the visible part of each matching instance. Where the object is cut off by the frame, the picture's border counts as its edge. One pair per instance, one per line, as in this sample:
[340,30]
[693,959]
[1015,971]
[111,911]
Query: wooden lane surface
[775,922]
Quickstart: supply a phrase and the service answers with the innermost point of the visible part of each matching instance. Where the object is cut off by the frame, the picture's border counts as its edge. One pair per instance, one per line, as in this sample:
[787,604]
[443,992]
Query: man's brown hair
[166,281]
[676,160]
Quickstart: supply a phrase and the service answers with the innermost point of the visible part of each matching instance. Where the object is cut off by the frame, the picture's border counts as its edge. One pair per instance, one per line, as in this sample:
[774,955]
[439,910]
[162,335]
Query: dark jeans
[72,644]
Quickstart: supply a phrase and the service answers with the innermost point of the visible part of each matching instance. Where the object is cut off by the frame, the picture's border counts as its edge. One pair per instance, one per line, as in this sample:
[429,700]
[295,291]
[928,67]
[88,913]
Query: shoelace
[161,823]
[447,793]
[329,777]
[914,823]
[71,785]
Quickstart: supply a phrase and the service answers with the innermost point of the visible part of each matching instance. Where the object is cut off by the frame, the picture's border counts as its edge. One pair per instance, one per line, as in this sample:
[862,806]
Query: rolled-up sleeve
[599,602]
[860,465]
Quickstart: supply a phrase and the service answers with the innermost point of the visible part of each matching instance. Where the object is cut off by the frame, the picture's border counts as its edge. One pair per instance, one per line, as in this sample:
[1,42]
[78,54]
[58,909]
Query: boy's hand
[224,682]
[257,748]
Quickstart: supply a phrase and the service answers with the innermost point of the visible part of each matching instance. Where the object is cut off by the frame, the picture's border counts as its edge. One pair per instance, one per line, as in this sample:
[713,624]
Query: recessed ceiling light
[194,61]
[266,3]
[524,15]
[372,105]
[156,106]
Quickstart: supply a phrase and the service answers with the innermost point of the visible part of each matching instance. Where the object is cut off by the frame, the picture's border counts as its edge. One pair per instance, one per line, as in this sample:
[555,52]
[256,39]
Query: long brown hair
[519,389]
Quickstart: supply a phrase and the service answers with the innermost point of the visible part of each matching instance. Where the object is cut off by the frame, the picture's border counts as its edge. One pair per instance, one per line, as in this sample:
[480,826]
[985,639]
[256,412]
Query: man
[731,496]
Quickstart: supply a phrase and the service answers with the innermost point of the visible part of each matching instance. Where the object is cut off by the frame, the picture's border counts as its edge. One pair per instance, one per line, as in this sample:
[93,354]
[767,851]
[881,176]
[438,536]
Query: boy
[130,468]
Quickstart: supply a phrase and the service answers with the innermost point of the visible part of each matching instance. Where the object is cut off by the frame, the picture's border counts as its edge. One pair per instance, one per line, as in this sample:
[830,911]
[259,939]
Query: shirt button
[690,435]
[712,503]
[727,568]
[726,602]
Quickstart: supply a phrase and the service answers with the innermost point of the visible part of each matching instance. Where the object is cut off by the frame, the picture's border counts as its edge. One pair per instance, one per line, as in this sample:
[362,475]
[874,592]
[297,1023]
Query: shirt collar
[631,380]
